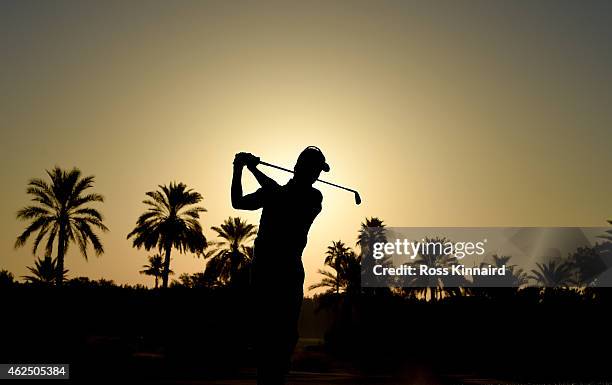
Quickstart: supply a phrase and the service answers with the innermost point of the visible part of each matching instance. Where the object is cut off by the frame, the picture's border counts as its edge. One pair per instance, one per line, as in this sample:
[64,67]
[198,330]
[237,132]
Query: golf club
[357,197]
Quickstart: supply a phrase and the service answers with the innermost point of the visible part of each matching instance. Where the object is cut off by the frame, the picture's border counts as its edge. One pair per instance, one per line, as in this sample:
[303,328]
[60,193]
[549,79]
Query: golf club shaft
[318,180]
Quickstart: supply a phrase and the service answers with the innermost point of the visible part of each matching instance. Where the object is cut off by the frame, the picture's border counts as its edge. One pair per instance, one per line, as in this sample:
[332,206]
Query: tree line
[63,214]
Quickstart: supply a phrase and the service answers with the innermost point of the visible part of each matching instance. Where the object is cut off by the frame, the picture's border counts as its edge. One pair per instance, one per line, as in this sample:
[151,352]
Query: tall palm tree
[171,221]
[155,268]
[62,213]
[44,272]
[232,253]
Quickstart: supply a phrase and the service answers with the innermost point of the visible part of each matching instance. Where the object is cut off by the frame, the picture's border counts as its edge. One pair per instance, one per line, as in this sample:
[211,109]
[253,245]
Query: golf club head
[357,198]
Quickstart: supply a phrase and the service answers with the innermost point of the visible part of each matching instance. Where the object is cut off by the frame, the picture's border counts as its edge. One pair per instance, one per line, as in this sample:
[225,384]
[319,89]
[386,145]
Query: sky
[443,113]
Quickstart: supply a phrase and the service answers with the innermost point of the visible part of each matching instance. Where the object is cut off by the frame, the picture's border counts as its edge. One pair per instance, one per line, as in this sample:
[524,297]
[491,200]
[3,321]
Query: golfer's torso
[288,213]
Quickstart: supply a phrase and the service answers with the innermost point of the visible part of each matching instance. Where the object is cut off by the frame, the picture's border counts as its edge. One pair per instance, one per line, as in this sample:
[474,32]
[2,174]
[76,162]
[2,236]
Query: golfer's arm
[263,179]
[237,187]
[239,201]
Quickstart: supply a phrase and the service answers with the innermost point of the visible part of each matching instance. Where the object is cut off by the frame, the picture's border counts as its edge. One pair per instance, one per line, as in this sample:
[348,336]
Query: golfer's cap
[313,155]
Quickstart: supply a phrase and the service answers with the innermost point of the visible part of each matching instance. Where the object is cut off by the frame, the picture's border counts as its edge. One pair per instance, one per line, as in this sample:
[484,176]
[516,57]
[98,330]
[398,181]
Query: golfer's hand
[239,160]
[245,159]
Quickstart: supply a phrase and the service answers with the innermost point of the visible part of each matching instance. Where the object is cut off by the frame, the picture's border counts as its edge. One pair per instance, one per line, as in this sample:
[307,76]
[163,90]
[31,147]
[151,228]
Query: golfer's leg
[289,329]
[265,350]
[270,370]
[262,308]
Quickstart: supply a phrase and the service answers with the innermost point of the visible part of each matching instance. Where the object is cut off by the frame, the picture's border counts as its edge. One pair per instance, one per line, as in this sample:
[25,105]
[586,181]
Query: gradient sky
[442,113]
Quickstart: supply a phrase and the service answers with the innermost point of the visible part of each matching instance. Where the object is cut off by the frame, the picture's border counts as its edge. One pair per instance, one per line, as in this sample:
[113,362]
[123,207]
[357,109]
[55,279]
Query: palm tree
[499,287]
[589,263]
[44,272]
[62,213]
[231,255]
[433,288]
[330,281]
[370,232]
[608,235]
[155,268]
[195,280]
[515,277]
[351,273]
[171,221]
[336,256]
[553,274]
[347,270]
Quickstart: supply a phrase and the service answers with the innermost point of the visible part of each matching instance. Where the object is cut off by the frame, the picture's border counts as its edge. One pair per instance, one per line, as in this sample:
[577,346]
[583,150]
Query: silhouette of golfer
[277,274]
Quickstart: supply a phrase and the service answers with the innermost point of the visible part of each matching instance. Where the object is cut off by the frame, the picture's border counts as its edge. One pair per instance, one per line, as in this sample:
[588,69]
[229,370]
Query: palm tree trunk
[166,271]
[61,247]
[156,281]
